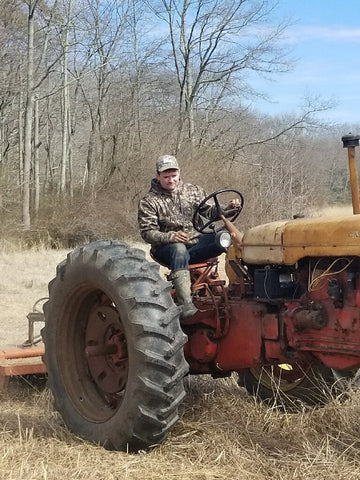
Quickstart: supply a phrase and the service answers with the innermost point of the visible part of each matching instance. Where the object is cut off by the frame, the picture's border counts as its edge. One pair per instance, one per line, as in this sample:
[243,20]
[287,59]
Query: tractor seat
[205,263]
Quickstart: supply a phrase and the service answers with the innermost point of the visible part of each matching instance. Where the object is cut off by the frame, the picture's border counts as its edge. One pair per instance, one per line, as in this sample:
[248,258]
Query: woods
[91,92]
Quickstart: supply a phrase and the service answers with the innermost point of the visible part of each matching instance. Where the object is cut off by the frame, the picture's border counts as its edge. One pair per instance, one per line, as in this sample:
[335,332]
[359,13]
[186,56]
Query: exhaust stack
[350,142]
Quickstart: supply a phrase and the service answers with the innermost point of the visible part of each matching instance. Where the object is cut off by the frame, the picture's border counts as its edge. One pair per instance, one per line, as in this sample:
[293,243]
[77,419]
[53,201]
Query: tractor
[286,315]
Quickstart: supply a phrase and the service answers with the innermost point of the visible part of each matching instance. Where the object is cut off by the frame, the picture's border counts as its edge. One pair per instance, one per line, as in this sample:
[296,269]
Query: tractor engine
[325,319]
[276,314]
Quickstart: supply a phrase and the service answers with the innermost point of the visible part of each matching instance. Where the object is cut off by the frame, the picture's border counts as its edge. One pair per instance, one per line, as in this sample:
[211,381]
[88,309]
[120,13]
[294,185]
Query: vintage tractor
[287,315]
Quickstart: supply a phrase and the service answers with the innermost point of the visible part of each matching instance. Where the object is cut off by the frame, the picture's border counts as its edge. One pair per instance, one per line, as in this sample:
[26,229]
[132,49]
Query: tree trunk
[28,118]
[66,105]
[21,144]
[36,157]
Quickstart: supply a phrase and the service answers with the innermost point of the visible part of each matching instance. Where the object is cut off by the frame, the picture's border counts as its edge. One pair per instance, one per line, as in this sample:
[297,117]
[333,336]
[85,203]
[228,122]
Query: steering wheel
[211,225]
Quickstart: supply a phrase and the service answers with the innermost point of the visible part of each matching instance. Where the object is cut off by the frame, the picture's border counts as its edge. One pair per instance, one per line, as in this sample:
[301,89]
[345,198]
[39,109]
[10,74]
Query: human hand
[234,203]
[181,237]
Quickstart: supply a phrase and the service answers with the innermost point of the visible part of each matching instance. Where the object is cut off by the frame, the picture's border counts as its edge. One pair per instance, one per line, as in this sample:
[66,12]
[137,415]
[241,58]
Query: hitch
[33,317]
[350,142]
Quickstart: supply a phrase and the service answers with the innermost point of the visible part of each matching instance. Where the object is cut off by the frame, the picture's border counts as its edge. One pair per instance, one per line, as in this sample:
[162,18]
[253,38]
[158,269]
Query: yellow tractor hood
[286,242]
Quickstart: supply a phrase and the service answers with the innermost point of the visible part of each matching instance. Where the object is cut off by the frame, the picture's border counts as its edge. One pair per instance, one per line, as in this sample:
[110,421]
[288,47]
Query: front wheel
[287,383]
[113,347]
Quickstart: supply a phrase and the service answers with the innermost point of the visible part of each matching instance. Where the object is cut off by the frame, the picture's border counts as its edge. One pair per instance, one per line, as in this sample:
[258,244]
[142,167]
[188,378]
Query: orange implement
[20,361]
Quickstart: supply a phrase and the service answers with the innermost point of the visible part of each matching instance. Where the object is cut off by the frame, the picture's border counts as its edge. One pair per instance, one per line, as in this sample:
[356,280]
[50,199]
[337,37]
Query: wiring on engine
[314,281]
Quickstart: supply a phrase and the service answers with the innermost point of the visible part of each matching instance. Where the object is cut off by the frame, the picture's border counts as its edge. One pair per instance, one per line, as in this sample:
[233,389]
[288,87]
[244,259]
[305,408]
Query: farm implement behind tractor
[24,359]
[286,321]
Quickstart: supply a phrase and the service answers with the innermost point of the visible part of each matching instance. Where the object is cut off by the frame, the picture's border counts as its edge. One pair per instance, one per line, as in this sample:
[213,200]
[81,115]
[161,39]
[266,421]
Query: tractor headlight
[223,239]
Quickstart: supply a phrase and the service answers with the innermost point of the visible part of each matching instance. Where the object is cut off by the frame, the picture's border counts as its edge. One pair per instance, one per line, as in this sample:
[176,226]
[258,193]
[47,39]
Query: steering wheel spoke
[214,223]
[210,225]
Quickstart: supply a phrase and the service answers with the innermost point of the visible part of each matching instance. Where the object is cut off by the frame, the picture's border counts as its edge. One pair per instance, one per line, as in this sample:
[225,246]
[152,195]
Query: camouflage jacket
[162,213]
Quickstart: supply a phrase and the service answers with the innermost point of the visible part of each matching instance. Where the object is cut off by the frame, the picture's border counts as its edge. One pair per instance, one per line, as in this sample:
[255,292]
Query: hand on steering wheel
[231,214]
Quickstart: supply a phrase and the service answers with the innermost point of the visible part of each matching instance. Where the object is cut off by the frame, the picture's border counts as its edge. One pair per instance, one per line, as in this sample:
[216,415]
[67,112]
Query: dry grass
[24,279]
[223,433]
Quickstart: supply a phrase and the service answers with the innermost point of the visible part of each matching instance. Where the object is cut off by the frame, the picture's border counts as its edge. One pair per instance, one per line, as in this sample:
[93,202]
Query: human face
[169,179]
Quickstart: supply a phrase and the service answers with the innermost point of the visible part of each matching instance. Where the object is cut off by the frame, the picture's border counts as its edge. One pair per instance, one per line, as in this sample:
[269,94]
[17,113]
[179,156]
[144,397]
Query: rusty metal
[201,272]
[106,349]
[207,285]
[36,316]
[20,361]
[26,359]
[350,142]
[315,318]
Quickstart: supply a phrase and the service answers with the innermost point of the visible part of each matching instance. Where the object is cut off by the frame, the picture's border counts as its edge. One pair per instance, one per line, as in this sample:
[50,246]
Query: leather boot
[182,285]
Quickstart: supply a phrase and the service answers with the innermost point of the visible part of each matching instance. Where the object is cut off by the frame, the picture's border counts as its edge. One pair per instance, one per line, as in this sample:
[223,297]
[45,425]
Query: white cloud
[334,33]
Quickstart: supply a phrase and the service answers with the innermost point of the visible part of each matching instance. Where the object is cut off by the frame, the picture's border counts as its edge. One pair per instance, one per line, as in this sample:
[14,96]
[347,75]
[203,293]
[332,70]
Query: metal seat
[192,266]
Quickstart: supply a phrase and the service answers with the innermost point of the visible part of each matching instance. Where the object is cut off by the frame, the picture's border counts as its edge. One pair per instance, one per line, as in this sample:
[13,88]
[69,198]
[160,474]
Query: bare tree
[65,133]
[216,42]
[36,74]
[29,111]
[36,157]
[103,28]
[12,35]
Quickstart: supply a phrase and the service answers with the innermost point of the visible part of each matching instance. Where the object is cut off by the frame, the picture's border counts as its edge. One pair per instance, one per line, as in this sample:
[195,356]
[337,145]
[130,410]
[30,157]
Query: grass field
[223,433]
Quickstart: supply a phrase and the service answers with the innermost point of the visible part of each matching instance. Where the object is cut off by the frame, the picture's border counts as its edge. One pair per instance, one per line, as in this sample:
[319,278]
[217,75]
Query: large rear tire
[289,384]
[113,347]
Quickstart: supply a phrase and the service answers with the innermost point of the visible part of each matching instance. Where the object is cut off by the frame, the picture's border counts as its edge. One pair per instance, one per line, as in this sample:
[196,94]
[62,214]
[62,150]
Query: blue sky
[325,38]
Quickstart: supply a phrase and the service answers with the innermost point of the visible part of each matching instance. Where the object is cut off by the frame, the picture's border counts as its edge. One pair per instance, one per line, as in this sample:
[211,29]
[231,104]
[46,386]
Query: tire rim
[93,354]
[284,377]
[106,349]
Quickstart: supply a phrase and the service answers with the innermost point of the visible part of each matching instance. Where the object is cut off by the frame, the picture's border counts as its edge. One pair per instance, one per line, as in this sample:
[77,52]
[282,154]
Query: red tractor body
[241,326]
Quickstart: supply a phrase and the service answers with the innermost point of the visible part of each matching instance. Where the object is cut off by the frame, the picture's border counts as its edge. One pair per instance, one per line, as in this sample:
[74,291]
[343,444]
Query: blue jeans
[178,256]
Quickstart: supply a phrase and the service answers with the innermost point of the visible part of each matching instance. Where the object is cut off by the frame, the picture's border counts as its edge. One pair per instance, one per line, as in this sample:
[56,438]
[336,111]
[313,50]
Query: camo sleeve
[149,225]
